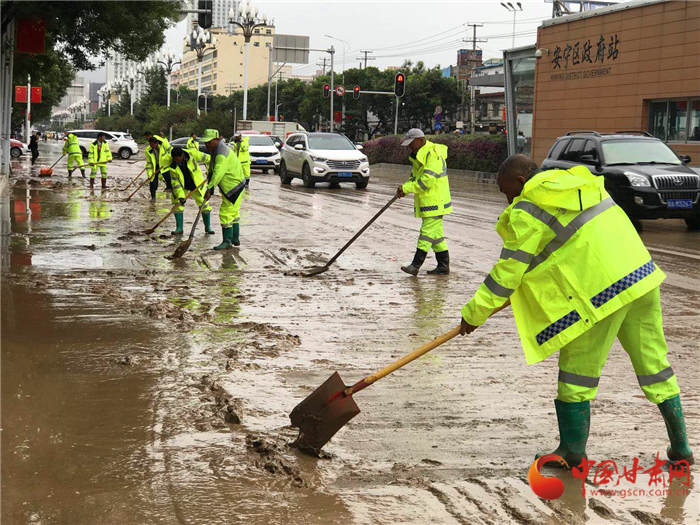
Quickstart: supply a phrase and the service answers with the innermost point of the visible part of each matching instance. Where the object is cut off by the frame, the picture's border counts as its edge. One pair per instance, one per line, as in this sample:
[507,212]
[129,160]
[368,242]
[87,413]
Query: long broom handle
[172,210]
[134,179]
[364,383]
[59,158]
[386,206]
[142,185]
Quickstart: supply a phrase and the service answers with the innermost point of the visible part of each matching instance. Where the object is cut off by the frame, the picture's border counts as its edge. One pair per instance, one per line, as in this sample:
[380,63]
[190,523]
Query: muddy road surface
[139,390]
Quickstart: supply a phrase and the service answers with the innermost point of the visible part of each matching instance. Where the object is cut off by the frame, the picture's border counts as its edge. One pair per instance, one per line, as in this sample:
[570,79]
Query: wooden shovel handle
[172,210]
[134,179]
[364,383]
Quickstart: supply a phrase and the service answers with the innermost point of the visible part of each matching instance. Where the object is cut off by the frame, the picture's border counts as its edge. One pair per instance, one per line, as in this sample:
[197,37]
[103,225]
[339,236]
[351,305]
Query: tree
[89,29]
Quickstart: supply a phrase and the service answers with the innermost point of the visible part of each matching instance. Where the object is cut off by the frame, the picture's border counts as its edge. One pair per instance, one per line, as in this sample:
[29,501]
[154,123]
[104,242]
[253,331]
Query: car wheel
[306,177]
[284,176]
[125,153]
[362,184]
[265,171]
[276,170]
[15,152]
[693,223]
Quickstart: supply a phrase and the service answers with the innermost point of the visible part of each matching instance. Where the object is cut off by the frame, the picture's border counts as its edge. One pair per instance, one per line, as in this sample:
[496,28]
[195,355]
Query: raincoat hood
[575,189]
[422,153]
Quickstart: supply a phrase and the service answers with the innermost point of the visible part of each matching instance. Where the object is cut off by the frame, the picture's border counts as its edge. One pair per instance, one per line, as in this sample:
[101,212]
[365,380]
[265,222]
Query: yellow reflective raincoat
[429,182]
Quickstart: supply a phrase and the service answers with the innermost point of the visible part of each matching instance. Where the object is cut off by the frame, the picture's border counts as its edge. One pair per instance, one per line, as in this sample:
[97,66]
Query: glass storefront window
[694,121]
[658,119]
[677,112]
[675,120]
[520,96]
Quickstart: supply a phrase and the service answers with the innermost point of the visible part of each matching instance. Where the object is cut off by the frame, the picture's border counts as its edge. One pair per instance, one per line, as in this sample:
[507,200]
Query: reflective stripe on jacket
[99,152]
[570,258]
[177,178]
[224,169]
[192,143]
[429,182]
[71,145]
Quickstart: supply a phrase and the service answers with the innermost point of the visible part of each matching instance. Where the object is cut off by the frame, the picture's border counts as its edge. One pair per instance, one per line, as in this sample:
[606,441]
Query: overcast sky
[426,30]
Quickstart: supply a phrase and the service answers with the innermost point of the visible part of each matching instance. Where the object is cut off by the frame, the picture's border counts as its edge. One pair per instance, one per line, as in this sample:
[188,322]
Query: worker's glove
[465,327]
[183,201]
[399,192]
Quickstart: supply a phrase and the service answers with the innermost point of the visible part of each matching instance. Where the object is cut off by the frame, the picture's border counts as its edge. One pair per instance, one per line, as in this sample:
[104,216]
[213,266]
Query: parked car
[642,174]
[323,157]
[182,142]
[263,153]
[121,144]
[18,148]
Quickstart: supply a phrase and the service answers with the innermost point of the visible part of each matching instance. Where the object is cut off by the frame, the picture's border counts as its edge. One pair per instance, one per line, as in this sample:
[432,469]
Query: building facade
[631,66]
[223,66]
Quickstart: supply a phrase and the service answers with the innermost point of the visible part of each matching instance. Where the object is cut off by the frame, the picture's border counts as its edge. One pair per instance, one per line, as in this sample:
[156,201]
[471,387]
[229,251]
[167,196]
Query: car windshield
[638,152]
[126,136]
[330,141]
[260,141]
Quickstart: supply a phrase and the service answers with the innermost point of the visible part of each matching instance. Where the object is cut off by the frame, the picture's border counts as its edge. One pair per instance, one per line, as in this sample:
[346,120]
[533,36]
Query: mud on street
[136,389]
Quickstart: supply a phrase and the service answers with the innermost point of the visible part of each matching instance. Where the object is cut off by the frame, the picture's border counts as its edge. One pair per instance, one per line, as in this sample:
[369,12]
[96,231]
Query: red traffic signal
[326,90]
[399,84]
[356,92]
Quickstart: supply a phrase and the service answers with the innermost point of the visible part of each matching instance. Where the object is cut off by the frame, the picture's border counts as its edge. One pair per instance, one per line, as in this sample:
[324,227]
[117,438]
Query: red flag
[31,33]
[21,94]
[36,95]
[338,116]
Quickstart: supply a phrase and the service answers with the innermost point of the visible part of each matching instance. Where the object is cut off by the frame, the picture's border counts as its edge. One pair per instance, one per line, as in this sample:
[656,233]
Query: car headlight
[364,159]
[318,159]
[638,181]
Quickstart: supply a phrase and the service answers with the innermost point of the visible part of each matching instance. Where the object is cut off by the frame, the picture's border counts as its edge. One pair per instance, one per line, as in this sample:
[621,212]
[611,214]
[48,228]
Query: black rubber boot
[574,425]
[672,412]
[70,173]
[418,260]
[443,260]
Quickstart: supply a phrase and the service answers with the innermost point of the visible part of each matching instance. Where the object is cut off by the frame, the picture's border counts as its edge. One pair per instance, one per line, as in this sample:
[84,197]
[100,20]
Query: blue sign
[438,125]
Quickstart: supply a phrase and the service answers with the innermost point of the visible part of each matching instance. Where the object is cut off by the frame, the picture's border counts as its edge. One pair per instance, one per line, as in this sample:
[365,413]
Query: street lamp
[511,7]
[168,64]
[131,82]
[247,19]
[200,42]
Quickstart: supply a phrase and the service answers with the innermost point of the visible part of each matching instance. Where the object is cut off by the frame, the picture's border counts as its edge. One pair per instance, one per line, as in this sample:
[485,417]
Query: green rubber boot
[179,220]
[675,426]
[226,243]
[206,217]
[236,239]
[574,424]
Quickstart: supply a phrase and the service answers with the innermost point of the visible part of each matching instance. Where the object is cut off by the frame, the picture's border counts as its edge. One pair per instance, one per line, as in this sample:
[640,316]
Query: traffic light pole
[396,118]
[332,52]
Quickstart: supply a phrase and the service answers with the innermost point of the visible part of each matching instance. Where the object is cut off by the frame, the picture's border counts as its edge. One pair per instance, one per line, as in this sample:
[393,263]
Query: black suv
[642,174]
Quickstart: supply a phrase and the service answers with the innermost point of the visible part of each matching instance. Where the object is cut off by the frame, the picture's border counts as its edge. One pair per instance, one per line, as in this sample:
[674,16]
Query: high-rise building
[220,10]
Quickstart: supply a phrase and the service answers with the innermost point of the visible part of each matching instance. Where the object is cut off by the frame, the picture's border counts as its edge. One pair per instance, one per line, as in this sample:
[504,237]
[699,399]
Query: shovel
[320,269]
[47,172]
[141,186]
[331,405]
[151,230]
[134,180]
[185,245]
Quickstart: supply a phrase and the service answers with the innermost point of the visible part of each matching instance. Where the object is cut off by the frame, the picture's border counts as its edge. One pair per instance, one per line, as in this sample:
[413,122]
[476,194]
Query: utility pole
[472,89]
[323,65]
[366,57]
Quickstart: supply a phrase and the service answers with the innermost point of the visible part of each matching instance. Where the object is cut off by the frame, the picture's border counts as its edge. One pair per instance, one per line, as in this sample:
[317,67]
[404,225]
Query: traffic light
[356,92]
[399,84]
[326,90]
[203,102]
[204,20]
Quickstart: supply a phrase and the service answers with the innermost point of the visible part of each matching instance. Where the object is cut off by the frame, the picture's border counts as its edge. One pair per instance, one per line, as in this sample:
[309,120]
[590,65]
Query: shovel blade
[46,172]
[149,231]
[314,271]
[322,414]
[182,249]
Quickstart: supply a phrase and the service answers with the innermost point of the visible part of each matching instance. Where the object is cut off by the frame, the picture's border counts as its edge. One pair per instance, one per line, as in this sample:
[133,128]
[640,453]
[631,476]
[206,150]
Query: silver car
[323,157]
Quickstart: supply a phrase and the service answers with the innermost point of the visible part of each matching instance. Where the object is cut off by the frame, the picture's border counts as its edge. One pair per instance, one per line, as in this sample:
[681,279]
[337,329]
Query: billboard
[469,57]
[292,49]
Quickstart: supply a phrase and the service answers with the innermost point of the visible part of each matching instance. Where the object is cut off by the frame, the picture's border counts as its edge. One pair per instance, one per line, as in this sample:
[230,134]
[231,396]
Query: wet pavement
[136,389]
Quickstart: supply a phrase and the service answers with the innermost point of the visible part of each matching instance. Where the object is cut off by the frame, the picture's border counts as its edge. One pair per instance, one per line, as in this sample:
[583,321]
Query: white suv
[323,157]
[264,155]
[120,144]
